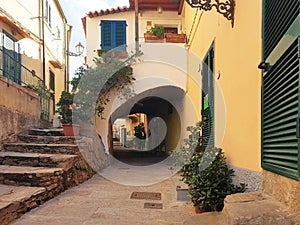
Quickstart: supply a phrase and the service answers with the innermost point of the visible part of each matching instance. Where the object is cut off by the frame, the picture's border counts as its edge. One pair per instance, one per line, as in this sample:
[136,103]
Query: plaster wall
[237,78]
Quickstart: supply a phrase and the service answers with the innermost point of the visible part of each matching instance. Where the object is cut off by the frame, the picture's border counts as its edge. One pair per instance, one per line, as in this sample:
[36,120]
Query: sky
[75,10]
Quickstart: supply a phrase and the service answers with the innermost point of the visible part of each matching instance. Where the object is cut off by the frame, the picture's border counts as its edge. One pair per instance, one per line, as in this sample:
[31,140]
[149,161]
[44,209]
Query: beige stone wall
[284,189]
[19,109]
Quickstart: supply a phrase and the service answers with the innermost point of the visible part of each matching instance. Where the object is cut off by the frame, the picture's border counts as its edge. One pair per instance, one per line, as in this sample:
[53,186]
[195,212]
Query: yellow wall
[237,54]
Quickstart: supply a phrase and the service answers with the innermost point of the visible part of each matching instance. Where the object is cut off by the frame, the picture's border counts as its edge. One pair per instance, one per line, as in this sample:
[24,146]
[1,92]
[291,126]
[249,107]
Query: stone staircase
[37,167]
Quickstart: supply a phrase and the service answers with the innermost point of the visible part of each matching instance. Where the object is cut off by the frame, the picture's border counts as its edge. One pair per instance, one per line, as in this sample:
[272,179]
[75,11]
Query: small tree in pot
[65,109]
[205,171]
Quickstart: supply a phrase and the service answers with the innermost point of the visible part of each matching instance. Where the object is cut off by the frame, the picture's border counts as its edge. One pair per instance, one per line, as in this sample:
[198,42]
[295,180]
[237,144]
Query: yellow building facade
[259,138]
[237,52]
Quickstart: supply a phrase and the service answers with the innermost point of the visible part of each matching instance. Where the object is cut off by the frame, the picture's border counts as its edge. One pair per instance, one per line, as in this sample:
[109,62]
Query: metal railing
[11,68]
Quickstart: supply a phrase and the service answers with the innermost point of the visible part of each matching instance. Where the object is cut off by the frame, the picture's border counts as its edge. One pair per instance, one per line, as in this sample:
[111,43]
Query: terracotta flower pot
[175,38]
[198,209]
[152,38]
[71,129]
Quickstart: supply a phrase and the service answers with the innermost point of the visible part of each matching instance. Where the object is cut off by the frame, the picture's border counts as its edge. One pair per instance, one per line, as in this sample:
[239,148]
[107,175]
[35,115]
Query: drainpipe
[136,9]
[65,56]
[43,43]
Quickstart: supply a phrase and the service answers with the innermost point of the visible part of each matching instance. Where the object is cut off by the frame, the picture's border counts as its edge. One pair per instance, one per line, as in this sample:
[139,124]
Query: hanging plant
[93,85]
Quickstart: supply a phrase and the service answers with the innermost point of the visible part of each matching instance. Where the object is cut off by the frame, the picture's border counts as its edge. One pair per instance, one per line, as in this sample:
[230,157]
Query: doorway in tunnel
[147,133]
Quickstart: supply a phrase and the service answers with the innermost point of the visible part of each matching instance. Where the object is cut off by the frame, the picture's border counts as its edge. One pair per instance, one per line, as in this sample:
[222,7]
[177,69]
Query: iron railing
[12,68]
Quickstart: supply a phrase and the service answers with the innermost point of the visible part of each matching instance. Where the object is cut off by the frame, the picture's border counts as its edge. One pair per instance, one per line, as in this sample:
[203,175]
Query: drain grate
[153,205]
[146,195]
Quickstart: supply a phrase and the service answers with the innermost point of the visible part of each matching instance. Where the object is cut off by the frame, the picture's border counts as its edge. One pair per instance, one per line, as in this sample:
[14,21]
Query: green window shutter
[208,99]
[278,17]
[11,58]
[280,115]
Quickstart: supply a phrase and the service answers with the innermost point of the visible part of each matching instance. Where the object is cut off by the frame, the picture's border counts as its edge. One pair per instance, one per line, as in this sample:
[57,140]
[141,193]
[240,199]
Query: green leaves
[205,171]
[93,86]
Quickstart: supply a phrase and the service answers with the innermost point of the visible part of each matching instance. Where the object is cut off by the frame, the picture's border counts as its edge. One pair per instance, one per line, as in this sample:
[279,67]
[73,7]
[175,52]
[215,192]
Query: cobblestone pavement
[102,201]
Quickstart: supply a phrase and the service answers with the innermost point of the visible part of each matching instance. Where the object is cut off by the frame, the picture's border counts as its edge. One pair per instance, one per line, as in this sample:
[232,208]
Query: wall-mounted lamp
[79,50]
[159,10]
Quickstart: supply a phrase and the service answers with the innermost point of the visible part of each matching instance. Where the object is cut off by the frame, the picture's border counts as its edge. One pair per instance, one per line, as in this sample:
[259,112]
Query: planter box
[176,38]
[71,129]
[182,194]
[151,38]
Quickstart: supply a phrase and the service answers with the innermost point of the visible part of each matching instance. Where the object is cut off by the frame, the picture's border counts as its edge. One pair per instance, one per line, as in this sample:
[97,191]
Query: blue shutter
[113,35]
[120,35]
[106,35]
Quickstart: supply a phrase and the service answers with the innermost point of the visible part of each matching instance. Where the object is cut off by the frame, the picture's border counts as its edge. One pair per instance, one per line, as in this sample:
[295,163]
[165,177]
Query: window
[47,12]
[11,58]
[208,98]
[113,35]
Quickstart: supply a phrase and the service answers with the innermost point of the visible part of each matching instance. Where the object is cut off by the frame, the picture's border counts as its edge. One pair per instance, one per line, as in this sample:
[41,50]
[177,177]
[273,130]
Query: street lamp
[79,50]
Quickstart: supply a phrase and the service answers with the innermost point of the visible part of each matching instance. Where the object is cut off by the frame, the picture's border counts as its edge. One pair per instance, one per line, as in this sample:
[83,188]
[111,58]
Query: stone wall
[19,109]
[284,189]
[253,179]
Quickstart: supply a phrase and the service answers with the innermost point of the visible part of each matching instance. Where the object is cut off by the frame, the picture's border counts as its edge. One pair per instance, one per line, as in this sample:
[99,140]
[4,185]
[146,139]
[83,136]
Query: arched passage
[157,112]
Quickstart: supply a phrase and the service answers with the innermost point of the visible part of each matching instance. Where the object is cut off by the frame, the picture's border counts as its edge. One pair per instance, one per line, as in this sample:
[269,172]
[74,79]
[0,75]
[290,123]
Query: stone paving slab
[47,132]
[56,157]
[6,169]
[42,148]
[36,159]
[47,139]
[14,201]
[100,201]
[10,193]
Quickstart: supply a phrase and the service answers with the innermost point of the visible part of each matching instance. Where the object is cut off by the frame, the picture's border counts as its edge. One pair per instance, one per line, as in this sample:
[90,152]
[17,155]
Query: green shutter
[280,88]
[280,113]
[208,98]
[278,17]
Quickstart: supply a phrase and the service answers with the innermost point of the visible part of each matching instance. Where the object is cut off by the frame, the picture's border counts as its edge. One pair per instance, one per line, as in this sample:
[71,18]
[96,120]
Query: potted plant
[205,171]
[175,38]
[65,109]
[140,135]
[211,184]
[155,34]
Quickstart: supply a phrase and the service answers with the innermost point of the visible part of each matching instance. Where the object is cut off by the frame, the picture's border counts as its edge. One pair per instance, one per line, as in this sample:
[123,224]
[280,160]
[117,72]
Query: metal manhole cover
[153,205]
[146,195]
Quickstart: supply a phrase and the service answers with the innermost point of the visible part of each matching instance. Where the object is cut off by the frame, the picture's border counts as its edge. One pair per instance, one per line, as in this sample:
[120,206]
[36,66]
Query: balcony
[168,38]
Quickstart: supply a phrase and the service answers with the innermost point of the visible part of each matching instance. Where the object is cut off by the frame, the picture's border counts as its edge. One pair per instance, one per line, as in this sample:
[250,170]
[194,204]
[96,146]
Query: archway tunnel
[146,129]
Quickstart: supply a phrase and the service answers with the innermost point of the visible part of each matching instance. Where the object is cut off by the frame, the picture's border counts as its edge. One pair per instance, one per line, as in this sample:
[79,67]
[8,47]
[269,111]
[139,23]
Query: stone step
[37,159]
[48,139]
[254,208]
[15,201]
[47,132]
[32,176]
[207,218]
[71,149]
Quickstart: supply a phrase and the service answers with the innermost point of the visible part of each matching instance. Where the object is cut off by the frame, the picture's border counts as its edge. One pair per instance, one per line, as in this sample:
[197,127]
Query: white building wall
[157,69]
[93,32]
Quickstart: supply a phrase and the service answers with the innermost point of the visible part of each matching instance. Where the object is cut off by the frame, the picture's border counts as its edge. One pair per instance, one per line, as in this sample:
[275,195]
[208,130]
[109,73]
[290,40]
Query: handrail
[16,71]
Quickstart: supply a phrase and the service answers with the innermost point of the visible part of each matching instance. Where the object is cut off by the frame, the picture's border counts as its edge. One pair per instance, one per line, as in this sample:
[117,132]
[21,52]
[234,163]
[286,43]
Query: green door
[11,58]
[208,98]
[280,87]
